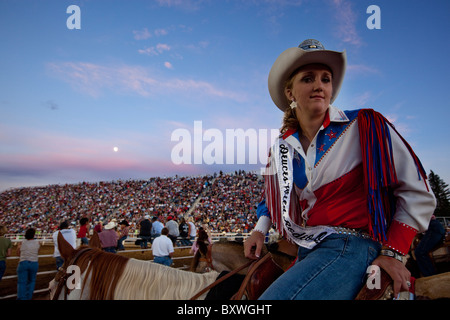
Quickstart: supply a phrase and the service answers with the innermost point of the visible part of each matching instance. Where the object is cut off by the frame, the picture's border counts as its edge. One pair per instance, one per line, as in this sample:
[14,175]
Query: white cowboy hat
[308,52]
[110,225]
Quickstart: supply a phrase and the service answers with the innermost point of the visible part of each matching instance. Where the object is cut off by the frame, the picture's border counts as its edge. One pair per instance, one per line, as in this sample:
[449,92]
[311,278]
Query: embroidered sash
[307,237]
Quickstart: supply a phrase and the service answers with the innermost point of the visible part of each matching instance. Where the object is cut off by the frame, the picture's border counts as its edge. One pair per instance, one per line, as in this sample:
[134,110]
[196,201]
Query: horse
[108,276]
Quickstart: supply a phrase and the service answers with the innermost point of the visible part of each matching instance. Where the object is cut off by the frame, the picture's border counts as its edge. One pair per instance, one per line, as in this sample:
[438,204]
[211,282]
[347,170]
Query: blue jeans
[120,243]
[110,249]
[186,242]
[144,241]
[167,261]
[59,262]
[335,269]
[26,279]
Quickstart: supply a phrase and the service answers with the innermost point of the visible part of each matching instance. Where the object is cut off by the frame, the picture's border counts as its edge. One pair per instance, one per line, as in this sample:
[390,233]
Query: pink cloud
[155,51]
[190,5]
[142,34]
[94,79]
[362,69]
[346,22]
[145,34]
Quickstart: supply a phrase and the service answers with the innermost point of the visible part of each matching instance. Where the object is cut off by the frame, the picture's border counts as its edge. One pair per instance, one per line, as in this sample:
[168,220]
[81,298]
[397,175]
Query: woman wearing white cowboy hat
[332,186]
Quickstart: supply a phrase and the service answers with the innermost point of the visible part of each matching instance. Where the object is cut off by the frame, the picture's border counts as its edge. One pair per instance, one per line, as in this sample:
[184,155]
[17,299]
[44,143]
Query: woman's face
[311,88]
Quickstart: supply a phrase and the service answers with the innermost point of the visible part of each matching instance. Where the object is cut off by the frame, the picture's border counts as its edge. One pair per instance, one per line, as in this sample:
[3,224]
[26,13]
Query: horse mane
[115,277]
[150,281]
[105,269]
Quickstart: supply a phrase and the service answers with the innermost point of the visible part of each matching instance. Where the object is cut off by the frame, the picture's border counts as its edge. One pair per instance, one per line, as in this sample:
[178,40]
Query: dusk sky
[118,97]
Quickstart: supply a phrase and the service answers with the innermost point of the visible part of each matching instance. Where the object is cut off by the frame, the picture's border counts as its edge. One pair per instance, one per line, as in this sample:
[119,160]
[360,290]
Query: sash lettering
[306,237]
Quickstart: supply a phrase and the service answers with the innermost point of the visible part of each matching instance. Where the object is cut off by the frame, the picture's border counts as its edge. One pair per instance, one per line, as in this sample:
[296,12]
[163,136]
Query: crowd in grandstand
[230,203]
[222,202]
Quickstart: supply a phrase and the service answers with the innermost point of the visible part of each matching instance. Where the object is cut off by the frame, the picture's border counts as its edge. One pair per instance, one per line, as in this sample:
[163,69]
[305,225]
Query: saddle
[260,275]
[385,292]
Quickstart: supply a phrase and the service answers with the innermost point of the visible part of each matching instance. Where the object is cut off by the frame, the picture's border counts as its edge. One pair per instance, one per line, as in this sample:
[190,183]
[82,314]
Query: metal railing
[47,237]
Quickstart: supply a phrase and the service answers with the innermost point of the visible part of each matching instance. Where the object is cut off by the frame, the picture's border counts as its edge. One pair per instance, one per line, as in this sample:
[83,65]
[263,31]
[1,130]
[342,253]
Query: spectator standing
[201,243]
[173,227]
[162,248]
[83,231]
[5,249]
[69,235]
[28,251]
[200,248]
[145,231]
[184,232]
[192,228]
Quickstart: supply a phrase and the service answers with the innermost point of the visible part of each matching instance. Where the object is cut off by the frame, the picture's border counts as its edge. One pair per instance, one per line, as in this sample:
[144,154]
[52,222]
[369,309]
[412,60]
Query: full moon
[115,149]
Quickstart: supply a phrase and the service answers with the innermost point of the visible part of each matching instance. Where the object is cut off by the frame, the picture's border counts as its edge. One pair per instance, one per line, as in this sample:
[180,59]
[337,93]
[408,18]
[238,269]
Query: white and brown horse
[108,276]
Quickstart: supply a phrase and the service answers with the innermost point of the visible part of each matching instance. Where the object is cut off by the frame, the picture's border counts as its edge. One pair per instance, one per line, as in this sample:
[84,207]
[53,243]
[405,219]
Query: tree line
[442,194]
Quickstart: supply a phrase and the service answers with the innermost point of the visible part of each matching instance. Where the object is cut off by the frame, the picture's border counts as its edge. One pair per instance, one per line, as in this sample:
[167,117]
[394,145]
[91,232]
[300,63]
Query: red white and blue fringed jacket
[357,173]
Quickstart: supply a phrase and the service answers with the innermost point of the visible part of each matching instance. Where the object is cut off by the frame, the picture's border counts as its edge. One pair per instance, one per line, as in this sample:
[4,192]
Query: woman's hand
[397,271]
[253,245]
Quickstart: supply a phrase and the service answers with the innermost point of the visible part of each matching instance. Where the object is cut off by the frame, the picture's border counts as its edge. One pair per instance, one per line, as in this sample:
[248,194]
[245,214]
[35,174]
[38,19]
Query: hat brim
[110,226]
[294,58]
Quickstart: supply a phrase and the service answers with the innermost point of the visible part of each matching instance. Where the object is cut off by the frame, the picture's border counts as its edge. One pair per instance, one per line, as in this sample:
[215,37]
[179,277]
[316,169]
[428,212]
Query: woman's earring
[293,104]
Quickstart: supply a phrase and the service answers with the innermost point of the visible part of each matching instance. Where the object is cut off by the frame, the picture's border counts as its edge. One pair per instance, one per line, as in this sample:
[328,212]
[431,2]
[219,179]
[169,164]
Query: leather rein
[208,260]
[215,283]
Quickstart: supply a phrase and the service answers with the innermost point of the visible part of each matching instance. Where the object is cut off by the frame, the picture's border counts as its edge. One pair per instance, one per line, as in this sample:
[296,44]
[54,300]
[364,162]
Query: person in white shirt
[192,228]
[27,269]
[69,235]
[162,248]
